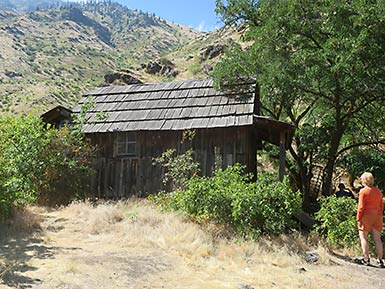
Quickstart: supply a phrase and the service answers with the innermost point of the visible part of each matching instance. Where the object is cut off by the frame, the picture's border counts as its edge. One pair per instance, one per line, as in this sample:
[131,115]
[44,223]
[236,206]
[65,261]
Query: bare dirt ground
[133,245]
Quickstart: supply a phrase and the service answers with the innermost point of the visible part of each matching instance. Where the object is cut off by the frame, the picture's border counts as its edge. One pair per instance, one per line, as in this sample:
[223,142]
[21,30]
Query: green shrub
[67,168]
[5,208]
[362,160]
[35,160]
[269,207]
[264,207]
[178,168]
[22,141]
[212,196]
[195,68]
[337,221]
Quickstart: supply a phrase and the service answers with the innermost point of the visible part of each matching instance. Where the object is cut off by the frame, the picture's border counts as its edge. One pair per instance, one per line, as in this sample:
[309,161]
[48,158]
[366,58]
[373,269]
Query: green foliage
[264,207]
[67,168]
[337,221]
[371,160]
[195,67]
[269,207]
[178,168]
[80,118]
[22,143]
[320,65]
[35,161]
[5,208]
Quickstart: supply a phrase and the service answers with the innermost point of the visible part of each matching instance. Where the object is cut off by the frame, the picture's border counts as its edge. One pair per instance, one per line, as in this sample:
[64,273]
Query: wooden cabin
[132,125]
[57,116]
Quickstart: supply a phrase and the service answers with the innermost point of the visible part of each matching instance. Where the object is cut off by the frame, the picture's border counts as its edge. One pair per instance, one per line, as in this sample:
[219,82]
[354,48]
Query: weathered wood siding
[124,176]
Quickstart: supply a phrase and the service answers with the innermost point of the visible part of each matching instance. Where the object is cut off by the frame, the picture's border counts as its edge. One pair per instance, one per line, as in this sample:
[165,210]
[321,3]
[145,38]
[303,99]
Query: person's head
[367,179]
[341,186]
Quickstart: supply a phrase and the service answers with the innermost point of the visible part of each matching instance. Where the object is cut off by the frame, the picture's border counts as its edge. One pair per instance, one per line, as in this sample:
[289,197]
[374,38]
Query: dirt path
[141,249]
[64,257]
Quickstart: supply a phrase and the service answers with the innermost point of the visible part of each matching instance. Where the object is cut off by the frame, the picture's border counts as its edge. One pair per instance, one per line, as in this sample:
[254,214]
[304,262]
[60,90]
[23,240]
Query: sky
[197,14]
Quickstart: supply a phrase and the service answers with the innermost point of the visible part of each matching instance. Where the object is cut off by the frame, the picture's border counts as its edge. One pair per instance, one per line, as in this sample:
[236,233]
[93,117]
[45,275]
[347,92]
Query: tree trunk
[328,178]
[301,175]
[330,164]
[335,140]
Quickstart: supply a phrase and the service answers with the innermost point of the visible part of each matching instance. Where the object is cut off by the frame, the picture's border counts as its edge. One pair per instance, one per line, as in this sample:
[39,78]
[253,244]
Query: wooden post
[256,167]
[282,152]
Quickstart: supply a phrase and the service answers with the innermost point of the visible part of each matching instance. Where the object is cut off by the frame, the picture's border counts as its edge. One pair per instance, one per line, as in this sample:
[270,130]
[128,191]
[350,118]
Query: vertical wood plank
[282,152]
[121,174]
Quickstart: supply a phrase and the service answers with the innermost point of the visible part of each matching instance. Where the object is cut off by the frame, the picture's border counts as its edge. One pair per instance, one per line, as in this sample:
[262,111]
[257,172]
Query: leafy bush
[337,221]
[22,142]
[211,196]
[371,160]
[36,160]
[230,197]
[178,168]
[68,168]
[268,207]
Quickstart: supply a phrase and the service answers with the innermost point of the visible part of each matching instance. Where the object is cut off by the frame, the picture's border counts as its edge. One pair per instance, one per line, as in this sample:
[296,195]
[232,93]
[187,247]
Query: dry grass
[95,219]
[133,245]
[22,221]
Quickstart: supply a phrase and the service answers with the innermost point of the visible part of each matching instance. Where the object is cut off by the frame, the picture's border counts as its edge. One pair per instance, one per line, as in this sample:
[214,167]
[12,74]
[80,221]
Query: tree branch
[306,111]
[270,112]
[359,108]
[381,141]
[316,93]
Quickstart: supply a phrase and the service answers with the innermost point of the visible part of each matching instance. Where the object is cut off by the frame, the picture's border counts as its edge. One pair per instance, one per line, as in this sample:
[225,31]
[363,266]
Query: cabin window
[126,144]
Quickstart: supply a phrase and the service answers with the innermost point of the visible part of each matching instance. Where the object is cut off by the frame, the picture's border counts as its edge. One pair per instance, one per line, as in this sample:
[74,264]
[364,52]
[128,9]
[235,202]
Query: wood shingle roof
[177,105]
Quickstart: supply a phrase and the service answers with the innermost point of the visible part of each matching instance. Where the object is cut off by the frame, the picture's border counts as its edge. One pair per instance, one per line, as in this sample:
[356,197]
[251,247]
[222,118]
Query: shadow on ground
[17,249]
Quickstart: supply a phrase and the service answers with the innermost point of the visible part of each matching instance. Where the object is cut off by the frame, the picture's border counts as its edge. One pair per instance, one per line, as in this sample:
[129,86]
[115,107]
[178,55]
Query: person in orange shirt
[369,217]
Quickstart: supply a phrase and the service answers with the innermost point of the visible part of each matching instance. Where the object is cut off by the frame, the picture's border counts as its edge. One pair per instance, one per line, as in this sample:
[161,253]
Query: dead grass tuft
[146,226]
[95,219]
[22,221]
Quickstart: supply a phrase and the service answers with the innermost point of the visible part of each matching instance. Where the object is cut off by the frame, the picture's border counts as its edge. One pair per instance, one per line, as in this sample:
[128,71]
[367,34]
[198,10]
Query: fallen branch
[5,268]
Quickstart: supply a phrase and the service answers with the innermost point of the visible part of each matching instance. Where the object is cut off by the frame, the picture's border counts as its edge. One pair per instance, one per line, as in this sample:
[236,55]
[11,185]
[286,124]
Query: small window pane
[126,143]
[131,137]
[121,137]
[121,148]
[131,148]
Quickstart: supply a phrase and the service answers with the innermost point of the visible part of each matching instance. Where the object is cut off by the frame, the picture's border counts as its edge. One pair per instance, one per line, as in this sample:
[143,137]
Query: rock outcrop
[161,67]
[212,51]
[121,77]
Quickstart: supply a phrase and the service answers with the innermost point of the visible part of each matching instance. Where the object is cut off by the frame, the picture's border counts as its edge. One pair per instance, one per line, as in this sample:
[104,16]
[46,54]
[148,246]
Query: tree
[320,65]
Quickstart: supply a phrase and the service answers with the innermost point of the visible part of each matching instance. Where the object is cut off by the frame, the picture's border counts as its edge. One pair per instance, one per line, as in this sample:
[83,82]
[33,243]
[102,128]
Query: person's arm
[350,193]
[361,205]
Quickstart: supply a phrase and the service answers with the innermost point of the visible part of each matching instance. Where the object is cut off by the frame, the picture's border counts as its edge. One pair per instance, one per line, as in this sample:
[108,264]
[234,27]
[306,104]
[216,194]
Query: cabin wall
[124,176]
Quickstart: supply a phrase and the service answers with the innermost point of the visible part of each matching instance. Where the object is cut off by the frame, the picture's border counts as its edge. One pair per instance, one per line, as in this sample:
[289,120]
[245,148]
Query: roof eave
[271,129]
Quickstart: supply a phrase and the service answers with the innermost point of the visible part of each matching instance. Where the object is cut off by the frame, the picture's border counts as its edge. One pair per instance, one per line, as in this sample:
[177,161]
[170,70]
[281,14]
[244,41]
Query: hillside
[24,6]
[49,57]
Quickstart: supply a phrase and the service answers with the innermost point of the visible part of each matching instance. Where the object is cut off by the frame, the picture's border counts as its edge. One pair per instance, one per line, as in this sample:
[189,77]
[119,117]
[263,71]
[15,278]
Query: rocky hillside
[24,6]
[50,56]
